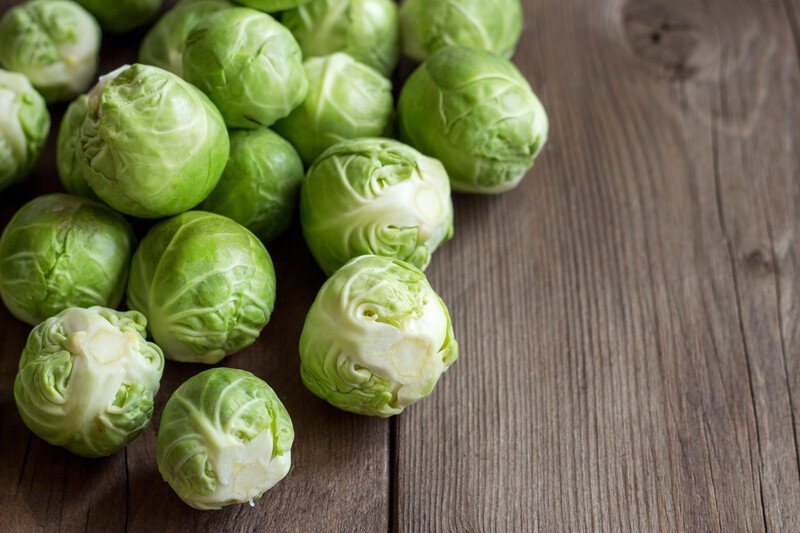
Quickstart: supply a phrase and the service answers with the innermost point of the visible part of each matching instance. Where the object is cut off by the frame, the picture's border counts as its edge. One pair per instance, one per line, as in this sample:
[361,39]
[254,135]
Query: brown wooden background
[628,316]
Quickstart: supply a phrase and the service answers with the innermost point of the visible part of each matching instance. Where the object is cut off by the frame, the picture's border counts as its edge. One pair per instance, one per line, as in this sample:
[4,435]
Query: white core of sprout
[245,470]
[105,358]
[11,133]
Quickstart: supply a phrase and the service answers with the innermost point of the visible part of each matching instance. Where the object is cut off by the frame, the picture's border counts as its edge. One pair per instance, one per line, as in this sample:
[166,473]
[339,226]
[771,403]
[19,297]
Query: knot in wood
[760,261]
[665,35]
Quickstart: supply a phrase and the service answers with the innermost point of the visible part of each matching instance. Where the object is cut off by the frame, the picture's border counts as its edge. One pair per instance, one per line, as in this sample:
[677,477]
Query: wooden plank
[45,488]
[627,316]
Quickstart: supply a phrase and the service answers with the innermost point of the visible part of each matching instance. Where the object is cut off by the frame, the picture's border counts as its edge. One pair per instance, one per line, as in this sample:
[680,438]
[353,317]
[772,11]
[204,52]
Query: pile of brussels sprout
[184,137]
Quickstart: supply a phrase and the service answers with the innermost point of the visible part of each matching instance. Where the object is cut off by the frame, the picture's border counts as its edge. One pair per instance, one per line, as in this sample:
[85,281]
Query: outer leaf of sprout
[206,285]
[488,126]
[120,16]
[68,155]
[346,100]
[63,251]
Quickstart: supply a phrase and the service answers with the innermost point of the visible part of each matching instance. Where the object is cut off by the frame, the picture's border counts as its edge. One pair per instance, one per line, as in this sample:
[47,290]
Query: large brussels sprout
[260,185]
[164,44]
[377,338]
[367,30]
[488,126]
[55,43]
[24,125]
[225,438]
[375,196]
[248,64]
[152,145]
[63,251]
[346,100]
[68,155]
[87,378]
[428,25]
[206,285]
[119,16]
[272,6]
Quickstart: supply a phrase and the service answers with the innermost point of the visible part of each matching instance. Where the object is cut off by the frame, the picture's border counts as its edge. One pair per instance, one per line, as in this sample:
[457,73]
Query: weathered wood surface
[628,317]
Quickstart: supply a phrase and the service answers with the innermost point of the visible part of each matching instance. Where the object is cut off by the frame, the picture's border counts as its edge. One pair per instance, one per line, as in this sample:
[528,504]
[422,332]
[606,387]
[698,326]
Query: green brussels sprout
[492,25]
[375,196]
[248,64]
[63,251]
[260,185]
[488,126]
[164,44]
[366,30]
[120,16]
[346,100]
[55,43]
[152,145]
[377,338]
[206,285]
[68,156]
[272,6]
[24,125]
[87,379]
[225,438]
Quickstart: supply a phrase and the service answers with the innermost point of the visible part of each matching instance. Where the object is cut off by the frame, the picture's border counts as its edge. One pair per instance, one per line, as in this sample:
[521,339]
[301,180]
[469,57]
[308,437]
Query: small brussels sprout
[120,16]
[152,145]
[492,25]
[248,64]
[377,338]
[63,251]
[375,196]
[488,126]
[55,43]
[164,44]
[206,285]
[225,438]
[346,100]
[272,6]
[87,378]
[366,30]
[260,185]
[24,125]
[68,156]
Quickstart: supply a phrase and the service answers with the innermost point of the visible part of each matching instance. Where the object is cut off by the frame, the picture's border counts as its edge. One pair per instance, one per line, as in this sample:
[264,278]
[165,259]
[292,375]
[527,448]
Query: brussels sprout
[120,16]
[164,44]
[346,100]
[488,126]
[152,145]
[225,438]
[87,378]
[492,25]
[260,185]
[24,125]
[272,6]
[206,285]
[68,156]
[55,43]
[377,338]
[63,251]
[366,30]
[375,196]
[248,64]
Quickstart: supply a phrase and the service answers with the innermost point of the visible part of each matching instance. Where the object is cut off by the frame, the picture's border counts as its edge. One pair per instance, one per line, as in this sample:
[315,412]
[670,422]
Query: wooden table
[629,316]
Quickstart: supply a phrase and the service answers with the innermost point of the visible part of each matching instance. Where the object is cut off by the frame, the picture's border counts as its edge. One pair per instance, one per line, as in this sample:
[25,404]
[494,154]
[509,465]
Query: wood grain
[628,316]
